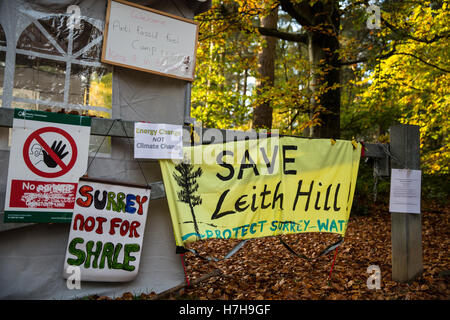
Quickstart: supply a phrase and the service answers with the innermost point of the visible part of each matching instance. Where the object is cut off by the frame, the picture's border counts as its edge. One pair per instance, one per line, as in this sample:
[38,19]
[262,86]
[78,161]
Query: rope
[388,152]
[334,246]
[184,269]
[332,265]
[104,138]
[130,143]
[191,134]
[182,250]
[235,249]
[299,255]
[324,251]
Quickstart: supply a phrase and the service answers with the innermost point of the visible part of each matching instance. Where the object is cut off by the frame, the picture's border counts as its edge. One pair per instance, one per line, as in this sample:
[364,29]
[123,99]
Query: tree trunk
[262,115]
[244,91]
[323,45]
[321,21]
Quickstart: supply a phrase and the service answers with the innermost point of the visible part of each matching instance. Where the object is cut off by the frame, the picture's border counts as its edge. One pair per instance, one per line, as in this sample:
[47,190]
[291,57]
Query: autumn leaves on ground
[264,269]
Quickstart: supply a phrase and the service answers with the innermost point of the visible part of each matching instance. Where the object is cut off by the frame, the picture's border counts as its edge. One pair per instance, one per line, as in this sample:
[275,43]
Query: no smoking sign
[49,153]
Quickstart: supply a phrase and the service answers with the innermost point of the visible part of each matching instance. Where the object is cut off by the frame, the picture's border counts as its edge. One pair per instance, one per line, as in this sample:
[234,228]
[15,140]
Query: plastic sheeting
[161,100]
[50,56]
[32,260]
[53,57]
[53,73]
[32,257]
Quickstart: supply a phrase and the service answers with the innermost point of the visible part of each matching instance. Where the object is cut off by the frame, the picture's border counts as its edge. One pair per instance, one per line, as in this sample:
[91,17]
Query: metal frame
[68,58]
[100,127]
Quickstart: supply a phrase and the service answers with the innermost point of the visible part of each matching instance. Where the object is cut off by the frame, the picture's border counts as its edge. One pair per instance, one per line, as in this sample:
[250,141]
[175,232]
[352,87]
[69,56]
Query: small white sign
[405,191]
[158,141]
[148,40]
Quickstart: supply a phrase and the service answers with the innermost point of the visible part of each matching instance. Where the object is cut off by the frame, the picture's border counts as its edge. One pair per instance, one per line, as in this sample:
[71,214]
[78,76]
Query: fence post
[406,228]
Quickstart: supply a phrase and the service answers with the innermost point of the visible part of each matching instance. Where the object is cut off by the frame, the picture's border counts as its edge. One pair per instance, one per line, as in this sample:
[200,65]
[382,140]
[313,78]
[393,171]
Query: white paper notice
[405,191]
[158,141]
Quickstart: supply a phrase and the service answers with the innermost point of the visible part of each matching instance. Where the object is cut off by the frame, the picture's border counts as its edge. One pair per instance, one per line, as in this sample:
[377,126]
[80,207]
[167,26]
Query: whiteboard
[148,40]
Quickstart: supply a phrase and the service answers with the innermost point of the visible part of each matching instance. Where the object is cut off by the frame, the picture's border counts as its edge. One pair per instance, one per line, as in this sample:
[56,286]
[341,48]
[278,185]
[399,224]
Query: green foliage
[400,72]
[290,94]
[436,187]
[226,61]
[411,86]
[369,191]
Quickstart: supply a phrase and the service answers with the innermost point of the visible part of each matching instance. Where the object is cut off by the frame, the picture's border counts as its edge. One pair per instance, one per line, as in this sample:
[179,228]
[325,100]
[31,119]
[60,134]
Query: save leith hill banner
[262,187]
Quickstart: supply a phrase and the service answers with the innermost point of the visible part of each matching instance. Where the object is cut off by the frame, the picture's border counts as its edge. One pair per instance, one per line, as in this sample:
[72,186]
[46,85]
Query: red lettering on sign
[39,194]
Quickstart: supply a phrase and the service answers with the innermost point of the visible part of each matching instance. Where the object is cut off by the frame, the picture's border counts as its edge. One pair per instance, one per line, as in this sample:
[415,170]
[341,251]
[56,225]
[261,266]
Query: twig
[175,290]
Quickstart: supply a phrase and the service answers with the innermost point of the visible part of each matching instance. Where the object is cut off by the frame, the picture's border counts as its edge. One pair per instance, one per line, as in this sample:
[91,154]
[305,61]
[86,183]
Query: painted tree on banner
[187,180]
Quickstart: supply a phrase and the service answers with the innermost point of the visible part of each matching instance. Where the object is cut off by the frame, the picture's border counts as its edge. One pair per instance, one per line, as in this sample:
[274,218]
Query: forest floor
[265,269]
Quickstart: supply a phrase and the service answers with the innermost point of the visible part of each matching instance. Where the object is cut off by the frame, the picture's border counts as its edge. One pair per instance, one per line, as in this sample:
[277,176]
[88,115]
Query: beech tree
[333,73]
[262,113]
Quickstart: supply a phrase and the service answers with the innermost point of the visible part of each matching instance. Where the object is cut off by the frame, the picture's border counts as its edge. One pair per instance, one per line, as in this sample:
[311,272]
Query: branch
[295,37]
[391,53]
[176,290]
[423,61]
[365,59]
[409,36]
[304,20]
[353,5]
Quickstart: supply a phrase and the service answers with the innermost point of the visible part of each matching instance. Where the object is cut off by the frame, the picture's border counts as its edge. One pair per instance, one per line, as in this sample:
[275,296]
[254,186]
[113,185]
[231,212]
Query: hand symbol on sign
[48,160]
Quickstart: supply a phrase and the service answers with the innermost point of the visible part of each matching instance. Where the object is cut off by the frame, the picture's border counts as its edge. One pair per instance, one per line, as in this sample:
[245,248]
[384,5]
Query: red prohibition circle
[36,135]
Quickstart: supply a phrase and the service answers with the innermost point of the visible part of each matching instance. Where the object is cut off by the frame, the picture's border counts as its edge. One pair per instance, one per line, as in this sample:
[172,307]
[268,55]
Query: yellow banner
[264,187]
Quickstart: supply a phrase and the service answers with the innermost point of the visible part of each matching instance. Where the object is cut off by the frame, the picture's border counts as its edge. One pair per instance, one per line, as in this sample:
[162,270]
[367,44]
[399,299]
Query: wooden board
[149,40]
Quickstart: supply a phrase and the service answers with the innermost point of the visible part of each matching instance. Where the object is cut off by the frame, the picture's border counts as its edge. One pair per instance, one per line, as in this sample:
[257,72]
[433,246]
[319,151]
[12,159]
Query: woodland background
[324,73]
[313,68]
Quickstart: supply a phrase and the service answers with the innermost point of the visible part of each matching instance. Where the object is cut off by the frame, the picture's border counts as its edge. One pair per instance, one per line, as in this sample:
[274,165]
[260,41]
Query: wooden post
[406,228]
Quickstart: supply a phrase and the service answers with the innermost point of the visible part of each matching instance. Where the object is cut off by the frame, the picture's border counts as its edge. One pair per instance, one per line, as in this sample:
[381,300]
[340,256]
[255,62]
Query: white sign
[107,231]
[49,153]
[405,191]
[158,141]
[149,40]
